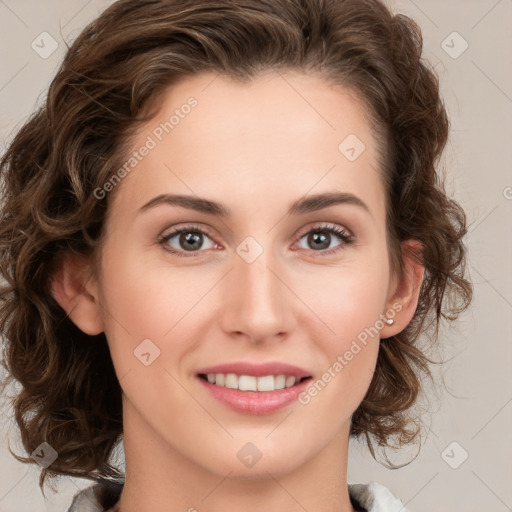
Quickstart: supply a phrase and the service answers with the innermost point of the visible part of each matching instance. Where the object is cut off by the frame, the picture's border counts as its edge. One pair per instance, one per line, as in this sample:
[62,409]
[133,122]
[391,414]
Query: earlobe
[75,289]
[406,290]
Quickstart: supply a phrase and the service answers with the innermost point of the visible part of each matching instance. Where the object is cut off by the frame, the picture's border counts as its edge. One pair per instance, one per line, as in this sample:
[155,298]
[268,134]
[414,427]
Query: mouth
[254,388]
[251,394]
[257,384]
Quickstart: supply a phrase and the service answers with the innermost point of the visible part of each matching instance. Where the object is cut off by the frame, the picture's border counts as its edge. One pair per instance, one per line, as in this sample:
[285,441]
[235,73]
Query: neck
[162,478]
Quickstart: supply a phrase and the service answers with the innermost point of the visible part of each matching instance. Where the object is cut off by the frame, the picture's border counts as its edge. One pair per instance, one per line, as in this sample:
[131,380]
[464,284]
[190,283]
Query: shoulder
[375,497]
[100,497]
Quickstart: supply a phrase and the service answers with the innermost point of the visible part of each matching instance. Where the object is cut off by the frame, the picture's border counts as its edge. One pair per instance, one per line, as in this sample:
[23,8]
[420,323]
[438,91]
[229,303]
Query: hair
[108,83]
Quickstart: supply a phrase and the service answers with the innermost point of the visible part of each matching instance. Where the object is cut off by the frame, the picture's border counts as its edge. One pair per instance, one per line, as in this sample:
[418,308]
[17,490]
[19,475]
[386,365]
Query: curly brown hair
[107,85]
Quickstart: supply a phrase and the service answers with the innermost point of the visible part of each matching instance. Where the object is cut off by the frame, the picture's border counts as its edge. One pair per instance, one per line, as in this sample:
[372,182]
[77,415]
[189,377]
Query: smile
[252,382]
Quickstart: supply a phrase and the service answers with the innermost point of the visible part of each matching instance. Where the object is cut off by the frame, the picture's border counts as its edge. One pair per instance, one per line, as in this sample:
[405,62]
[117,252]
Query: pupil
[190,238]
[194,239]
[323,239]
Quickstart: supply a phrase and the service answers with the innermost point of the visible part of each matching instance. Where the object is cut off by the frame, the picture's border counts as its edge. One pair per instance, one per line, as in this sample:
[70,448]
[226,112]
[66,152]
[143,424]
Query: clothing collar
[102,496]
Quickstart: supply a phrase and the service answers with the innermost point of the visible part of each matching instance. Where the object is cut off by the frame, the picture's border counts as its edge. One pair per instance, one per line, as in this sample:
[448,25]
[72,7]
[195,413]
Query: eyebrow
[301,206]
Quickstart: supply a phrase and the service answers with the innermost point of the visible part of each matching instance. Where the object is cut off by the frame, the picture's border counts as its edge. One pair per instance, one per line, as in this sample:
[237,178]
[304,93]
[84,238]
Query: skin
[256,148]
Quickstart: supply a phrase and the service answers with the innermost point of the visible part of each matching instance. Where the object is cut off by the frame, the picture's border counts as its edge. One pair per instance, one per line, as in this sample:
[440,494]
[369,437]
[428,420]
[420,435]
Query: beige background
[475,411]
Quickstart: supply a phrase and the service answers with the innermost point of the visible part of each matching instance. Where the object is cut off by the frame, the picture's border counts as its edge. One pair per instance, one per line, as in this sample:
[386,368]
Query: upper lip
[258,370]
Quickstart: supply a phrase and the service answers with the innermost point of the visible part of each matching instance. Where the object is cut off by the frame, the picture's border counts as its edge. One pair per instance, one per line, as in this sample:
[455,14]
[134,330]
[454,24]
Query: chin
[244,459]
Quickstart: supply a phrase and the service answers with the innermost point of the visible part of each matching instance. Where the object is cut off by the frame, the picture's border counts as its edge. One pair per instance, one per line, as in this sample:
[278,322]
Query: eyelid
[299,234]
[189,226]
[177,229]
[345,235]
[323,225]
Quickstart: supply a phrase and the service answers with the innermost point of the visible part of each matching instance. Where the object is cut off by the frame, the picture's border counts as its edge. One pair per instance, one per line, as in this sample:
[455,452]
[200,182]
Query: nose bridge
[258,302]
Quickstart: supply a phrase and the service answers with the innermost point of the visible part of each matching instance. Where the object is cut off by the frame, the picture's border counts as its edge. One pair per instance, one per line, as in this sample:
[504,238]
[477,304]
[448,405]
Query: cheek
[348,302]
[136,293]
[351,309]
[147,300]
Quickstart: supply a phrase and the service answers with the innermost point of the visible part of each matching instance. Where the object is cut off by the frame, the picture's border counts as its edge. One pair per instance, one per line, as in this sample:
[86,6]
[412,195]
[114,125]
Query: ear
[75,289]
[405,289]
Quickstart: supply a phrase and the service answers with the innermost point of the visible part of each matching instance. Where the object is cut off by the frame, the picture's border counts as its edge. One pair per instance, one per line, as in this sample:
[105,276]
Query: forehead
[279,133]
[288,106]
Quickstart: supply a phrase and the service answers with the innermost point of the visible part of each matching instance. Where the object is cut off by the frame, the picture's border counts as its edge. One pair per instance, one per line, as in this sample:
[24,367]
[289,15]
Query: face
[254,273]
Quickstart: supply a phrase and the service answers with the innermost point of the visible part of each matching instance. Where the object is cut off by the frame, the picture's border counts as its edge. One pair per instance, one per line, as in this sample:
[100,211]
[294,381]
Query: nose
[257,302]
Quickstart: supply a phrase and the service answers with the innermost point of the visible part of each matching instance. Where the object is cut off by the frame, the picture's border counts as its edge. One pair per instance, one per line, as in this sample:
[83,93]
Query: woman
[158,245]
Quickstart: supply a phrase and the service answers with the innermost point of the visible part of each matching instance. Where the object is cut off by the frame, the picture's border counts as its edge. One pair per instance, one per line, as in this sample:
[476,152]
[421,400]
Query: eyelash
[342,234]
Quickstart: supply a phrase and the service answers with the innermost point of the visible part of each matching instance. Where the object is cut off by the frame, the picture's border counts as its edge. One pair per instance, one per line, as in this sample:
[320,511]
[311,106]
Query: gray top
[371,497]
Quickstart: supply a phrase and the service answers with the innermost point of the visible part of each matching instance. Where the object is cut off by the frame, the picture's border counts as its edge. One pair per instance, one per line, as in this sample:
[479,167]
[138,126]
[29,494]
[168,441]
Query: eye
[189,239]
[321,237]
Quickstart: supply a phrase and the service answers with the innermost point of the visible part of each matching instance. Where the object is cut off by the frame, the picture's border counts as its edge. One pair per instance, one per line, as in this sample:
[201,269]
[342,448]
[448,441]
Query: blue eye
[191,239]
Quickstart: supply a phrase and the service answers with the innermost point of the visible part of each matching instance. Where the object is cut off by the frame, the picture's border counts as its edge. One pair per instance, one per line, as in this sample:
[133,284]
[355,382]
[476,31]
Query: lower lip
[255,402]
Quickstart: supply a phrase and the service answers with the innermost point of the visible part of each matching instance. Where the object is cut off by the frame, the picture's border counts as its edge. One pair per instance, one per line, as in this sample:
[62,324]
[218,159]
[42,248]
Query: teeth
[265,383]
[250,382]
[246,383]
[231,381]
[280,382]
[290,381]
